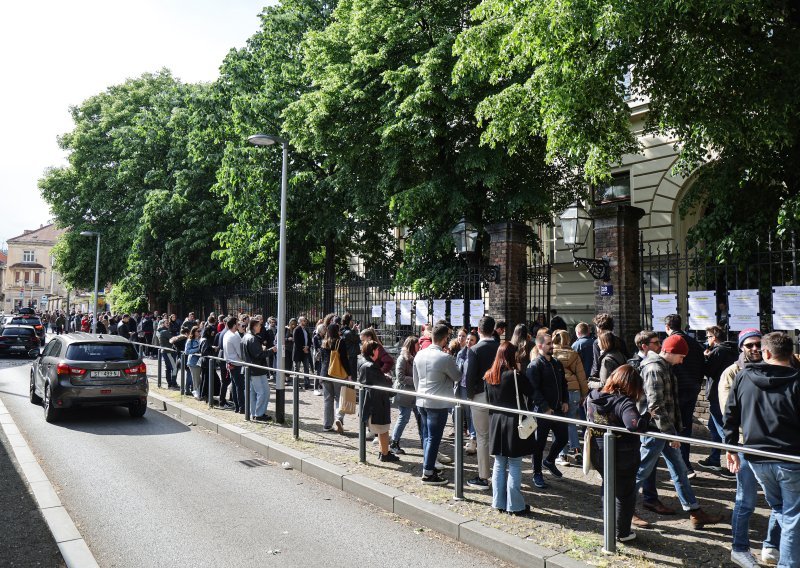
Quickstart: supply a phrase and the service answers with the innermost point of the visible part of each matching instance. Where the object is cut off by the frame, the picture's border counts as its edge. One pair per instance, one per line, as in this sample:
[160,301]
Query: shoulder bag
[527,424]
[335,367]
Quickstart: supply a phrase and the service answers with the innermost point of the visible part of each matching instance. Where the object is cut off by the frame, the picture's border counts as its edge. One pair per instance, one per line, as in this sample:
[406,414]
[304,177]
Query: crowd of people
[752,386]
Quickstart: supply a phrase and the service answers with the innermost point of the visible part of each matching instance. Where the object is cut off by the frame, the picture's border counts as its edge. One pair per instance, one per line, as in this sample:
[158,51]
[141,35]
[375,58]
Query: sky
[55,54]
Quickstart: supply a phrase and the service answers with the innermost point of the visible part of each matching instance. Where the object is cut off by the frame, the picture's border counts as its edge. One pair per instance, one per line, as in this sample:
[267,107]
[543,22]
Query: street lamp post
[576,224]
[96,274]
[280,382]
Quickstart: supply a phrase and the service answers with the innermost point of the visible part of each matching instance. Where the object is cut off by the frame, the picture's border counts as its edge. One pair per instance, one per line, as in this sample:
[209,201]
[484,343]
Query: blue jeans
[651,450]
[433,423]
[746,498]
[781,483]
[402,422]
[169,365]
[572,430]
[259,395]
[237,376]
[506,487]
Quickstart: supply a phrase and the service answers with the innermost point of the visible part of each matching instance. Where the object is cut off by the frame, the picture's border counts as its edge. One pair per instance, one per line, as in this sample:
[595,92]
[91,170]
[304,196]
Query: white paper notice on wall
[405,312]
[475,312]
[738,322]
[786,308]
[377,311]
[663,305]
[457,312]
[391,313]
[421,312]
[743,302]
[439,310]
[702,309]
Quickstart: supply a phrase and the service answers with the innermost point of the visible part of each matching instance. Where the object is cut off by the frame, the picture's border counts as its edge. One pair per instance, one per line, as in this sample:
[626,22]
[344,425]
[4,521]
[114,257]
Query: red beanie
[675,344]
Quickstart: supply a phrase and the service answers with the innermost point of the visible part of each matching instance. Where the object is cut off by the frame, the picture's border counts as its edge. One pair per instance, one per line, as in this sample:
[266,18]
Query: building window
[27,277]
[17,275]
[36,278]
[27,256]
[617,188]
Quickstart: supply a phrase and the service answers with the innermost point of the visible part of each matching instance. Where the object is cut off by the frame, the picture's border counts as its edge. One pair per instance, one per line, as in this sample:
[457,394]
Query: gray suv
[81,369]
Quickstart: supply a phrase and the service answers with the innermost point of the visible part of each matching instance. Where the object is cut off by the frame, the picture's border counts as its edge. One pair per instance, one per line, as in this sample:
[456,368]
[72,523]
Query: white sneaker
[770,556]
[438,465]
[561,460]
[444,458]
[744,559]
[196,394]
[317,392]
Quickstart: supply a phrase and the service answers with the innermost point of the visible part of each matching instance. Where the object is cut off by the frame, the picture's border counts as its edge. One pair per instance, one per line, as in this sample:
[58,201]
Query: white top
[232,347]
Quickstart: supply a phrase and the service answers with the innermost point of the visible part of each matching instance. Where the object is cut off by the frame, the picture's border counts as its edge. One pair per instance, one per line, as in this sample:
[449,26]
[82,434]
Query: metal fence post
[458,481]
[296,407]
[212,379]
[362,427]
[247,373]
[609,494]
[158,354]
[182,359]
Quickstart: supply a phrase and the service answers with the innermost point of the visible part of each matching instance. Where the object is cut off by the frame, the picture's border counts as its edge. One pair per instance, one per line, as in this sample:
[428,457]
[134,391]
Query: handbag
[587,452]
[335,367]
[527,424]
[347,400]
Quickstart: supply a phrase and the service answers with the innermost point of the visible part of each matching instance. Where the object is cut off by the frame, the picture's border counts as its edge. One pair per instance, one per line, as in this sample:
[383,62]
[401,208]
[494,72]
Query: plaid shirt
[661,393]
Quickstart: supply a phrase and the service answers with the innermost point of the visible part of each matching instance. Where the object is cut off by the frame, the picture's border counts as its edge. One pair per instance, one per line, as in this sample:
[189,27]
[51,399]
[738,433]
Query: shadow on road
[115,421]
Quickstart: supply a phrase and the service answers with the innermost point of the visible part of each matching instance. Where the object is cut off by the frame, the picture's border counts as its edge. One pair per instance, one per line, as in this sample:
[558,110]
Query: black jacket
[722,356]
[300,340]
[617,410]
[504,437]
[480,361]
[252,352]
[765,402]
[377,404]
[595,372]
[549,384]
[690,373]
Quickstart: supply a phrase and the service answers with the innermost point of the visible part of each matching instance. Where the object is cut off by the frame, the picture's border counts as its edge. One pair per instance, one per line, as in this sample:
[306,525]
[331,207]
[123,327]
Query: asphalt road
[155,492]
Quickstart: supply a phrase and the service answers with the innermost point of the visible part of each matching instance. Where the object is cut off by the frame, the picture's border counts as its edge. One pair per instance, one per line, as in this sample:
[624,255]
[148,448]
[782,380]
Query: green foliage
[721,76]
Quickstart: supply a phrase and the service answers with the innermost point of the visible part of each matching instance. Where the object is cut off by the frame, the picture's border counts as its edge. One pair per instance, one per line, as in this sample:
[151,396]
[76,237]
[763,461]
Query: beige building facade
[29,279]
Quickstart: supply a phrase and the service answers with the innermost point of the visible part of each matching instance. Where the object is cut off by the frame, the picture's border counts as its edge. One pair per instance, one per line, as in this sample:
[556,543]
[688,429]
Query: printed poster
[743,321]
[475,312]
[702,309]
[421,312]
[377,311]
[663,305]
[786,308]
[439,310]
[743,302]
[457,312]
[405,312]
[391,313]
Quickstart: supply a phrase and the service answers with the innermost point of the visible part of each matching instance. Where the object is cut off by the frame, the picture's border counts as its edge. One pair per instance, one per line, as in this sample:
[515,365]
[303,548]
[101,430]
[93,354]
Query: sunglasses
[752,345]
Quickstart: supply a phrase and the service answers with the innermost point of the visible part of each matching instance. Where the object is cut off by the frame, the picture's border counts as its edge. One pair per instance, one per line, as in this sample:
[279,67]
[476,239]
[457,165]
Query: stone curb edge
[73,548]
[473,533]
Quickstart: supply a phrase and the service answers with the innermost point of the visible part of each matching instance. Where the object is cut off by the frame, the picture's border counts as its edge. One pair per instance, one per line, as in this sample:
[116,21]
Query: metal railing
[609,440]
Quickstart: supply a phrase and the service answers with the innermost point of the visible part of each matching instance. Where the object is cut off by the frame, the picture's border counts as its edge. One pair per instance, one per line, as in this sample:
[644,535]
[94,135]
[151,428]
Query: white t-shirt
[232,347]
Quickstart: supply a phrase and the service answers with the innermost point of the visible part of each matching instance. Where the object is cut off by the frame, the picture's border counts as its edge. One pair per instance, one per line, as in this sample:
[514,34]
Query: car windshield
[101,352]
[26,321]
[17,331]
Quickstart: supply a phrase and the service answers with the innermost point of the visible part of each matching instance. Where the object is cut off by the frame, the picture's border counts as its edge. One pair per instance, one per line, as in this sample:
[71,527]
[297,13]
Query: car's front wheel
[137,410]
[50,411]
[34,398]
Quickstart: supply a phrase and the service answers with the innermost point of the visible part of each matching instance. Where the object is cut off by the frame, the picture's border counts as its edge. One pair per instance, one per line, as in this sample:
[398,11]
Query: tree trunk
[329,280]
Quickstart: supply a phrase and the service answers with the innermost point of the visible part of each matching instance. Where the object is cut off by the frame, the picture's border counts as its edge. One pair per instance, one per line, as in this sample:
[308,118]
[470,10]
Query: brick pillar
[616,237]
[508,249]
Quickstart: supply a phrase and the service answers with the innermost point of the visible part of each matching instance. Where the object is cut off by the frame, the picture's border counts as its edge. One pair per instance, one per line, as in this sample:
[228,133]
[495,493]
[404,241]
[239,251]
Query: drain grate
[254,463]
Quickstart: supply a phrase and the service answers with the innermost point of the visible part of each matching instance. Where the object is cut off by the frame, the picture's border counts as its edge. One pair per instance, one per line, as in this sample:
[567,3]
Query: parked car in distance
[81,369]
[19,340]
[27,319]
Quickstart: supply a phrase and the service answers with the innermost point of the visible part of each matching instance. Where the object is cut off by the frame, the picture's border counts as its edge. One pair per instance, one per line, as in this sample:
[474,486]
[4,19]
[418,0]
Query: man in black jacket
[720,355]
[301,349]
[350,336]
[253,352]
[550,396]
[690,375]
[479,360]
[605,322]
[765,402]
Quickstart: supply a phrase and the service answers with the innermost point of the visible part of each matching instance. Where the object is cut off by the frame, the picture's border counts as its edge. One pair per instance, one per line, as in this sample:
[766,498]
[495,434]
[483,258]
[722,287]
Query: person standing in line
[615,405]
[330,391]
[377,406]
[224,375]
[270,334]
[765,403]
[661,400]
[253,352]
[351,340]
[557,323]
[385,361]
[720,355]
[471,338]
[232,347]
[406,403]
[316,347]
[645,341]
[206,344]
[550,396]
[167,353]
[147,333]
[192,351]
[435,372]
[479,360]
[578,389]
[506,386]
[749,343]
[604,322]
[301,349]
[610,356]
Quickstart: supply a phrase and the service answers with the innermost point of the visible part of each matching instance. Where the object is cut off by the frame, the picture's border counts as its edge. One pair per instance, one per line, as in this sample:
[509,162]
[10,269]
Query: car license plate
[105,391]
[18,348]
[100,374]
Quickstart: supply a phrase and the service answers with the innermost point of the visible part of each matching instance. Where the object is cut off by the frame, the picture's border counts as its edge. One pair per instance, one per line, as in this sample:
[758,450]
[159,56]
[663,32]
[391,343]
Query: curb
[468,531]
[73,548]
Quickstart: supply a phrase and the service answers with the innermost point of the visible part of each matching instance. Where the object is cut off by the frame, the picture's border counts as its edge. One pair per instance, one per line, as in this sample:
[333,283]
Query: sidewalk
[567,515]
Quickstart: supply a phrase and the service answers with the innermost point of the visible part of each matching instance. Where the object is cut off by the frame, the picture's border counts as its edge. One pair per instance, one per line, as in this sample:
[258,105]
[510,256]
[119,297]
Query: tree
[722,76]
[401,139]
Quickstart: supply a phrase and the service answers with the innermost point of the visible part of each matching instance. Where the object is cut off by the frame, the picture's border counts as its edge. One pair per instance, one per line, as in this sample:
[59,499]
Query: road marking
[73,548]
